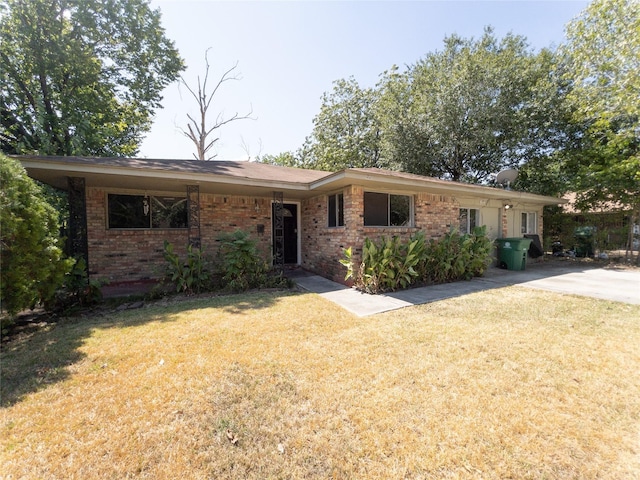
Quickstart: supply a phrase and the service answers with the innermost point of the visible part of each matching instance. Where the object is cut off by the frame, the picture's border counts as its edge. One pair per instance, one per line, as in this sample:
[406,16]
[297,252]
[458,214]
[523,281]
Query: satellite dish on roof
[507,177]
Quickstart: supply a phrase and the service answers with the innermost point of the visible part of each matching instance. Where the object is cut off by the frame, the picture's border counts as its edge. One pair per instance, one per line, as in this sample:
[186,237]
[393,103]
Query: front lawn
[508,383]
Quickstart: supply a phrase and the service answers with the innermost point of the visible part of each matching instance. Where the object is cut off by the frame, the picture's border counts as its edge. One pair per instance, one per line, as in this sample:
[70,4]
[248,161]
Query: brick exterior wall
[322,246]
[122,255]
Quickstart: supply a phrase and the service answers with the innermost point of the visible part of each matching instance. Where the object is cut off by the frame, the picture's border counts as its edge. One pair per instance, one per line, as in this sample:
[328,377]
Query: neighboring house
[123,209]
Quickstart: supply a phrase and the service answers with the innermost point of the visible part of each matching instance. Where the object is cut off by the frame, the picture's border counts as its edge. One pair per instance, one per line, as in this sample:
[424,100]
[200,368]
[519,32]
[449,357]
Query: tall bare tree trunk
[197,130]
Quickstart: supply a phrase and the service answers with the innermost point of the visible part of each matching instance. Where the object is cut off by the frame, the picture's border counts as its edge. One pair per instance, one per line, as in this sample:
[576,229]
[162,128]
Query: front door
[290,232]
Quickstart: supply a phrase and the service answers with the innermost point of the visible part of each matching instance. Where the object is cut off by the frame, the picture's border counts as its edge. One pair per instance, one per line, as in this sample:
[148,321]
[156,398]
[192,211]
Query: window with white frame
[387,210]
[529,223]
[335,210]
[147,211]
[469,219]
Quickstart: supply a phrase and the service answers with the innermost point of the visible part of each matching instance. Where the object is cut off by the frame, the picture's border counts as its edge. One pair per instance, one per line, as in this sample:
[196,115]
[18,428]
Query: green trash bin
[584,241]
[512,253]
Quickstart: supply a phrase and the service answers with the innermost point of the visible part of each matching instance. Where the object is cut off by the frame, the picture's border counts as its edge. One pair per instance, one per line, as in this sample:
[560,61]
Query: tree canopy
[462,113]
[474,108]
[602,58]
[346,132]
[81,77]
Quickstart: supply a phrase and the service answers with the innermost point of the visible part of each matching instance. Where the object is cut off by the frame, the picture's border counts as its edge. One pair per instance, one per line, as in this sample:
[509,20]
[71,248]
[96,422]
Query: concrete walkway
[620,285]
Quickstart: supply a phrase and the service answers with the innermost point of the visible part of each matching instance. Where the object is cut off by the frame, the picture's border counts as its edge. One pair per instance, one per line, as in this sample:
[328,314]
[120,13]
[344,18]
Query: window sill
[373,229]
[144,229]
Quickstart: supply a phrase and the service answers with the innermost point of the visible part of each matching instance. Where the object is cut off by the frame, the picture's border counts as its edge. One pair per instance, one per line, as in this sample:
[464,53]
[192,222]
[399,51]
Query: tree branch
[200,136]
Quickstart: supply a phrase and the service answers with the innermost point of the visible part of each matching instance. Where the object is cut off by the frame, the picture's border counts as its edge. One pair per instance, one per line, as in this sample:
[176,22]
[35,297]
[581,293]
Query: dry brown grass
[510,383]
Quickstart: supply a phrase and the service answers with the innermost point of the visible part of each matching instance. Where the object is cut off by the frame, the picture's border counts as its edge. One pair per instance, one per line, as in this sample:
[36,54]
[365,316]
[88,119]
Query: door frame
[298,224]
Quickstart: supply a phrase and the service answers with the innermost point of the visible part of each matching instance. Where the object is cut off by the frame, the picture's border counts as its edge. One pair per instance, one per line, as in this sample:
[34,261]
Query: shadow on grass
[34,361]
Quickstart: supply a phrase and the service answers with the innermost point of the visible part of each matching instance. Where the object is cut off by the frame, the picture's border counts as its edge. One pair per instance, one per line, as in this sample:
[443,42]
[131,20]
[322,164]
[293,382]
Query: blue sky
[289,53]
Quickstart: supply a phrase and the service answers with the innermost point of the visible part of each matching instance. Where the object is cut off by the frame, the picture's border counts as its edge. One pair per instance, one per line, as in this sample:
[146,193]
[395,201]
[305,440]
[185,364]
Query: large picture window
[146,211]
[469,219]
[335,208]
[387,210]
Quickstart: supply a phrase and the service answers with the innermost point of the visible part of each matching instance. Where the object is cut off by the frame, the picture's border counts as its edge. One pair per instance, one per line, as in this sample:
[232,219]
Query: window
[336,210]
[387,210]
[144,211]
[469,219]
[529,224]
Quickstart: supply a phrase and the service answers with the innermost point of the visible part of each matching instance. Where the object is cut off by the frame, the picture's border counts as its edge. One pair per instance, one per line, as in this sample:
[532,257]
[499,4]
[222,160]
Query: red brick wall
[120,255]
[129,255]
[323,246]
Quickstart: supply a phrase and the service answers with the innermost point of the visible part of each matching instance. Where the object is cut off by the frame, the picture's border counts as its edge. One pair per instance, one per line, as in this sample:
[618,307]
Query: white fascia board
[437,186]
[328,180]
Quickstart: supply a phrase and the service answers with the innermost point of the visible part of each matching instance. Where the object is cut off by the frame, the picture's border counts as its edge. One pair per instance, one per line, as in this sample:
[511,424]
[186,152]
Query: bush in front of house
[238,266]
[386,266]
[391,264]
[77,291]
[456,257]
[242,266]
[33,265]
[189,275]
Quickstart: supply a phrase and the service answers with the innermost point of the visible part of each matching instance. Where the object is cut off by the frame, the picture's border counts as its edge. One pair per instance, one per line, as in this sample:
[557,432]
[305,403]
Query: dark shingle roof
[240,169]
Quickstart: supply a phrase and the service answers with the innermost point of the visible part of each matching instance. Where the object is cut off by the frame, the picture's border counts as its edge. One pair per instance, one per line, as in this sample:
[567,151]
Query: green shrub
[78,290]
[238,267]
[387,266]
[392,264]
[242,266]
[33,267]
[440,259]
[190,275]
[481,252]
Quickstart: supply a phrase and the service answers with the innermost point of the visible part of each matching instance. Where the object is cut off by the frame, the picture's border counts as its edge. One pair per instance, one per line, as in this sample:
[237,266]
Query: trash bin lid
[515,243]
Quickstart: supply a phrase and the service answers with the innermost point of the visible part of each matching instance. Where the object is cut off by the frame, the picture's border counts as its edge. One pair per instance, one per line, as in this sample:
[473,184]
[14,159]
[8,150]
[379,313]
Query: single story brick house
[123,209]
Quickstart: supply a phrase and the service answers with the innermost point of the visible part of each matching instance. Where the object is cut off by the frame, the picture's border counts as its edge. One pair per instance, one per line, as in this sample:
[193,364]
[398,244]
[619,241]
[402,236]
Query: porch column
[77,243]
[504,223]
[193,207]
[278,231]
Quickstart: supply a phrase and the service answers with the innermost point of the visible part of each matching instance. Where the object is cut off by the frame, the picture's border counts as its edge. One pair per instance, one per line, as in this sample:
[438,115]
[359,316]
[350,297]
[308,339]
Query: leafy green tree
[475,108]
[284,159]
[602,55]
[346,132]
[463,113]
[32,265]
[81,77]
[603,58]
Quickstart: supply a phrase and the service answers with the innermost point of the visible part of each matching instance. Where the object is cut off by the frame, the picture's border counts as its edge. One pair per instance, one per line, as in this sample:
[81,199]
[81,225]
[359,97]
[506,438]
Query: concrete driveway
[555,275]
[575,278]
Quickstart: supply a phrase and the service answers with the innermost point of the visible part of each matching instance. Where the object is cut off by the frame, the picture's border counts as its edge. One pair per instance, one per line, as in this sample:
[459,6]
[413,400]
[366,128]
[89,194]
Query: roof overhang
[56,173]
[243,178]
[414,183]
